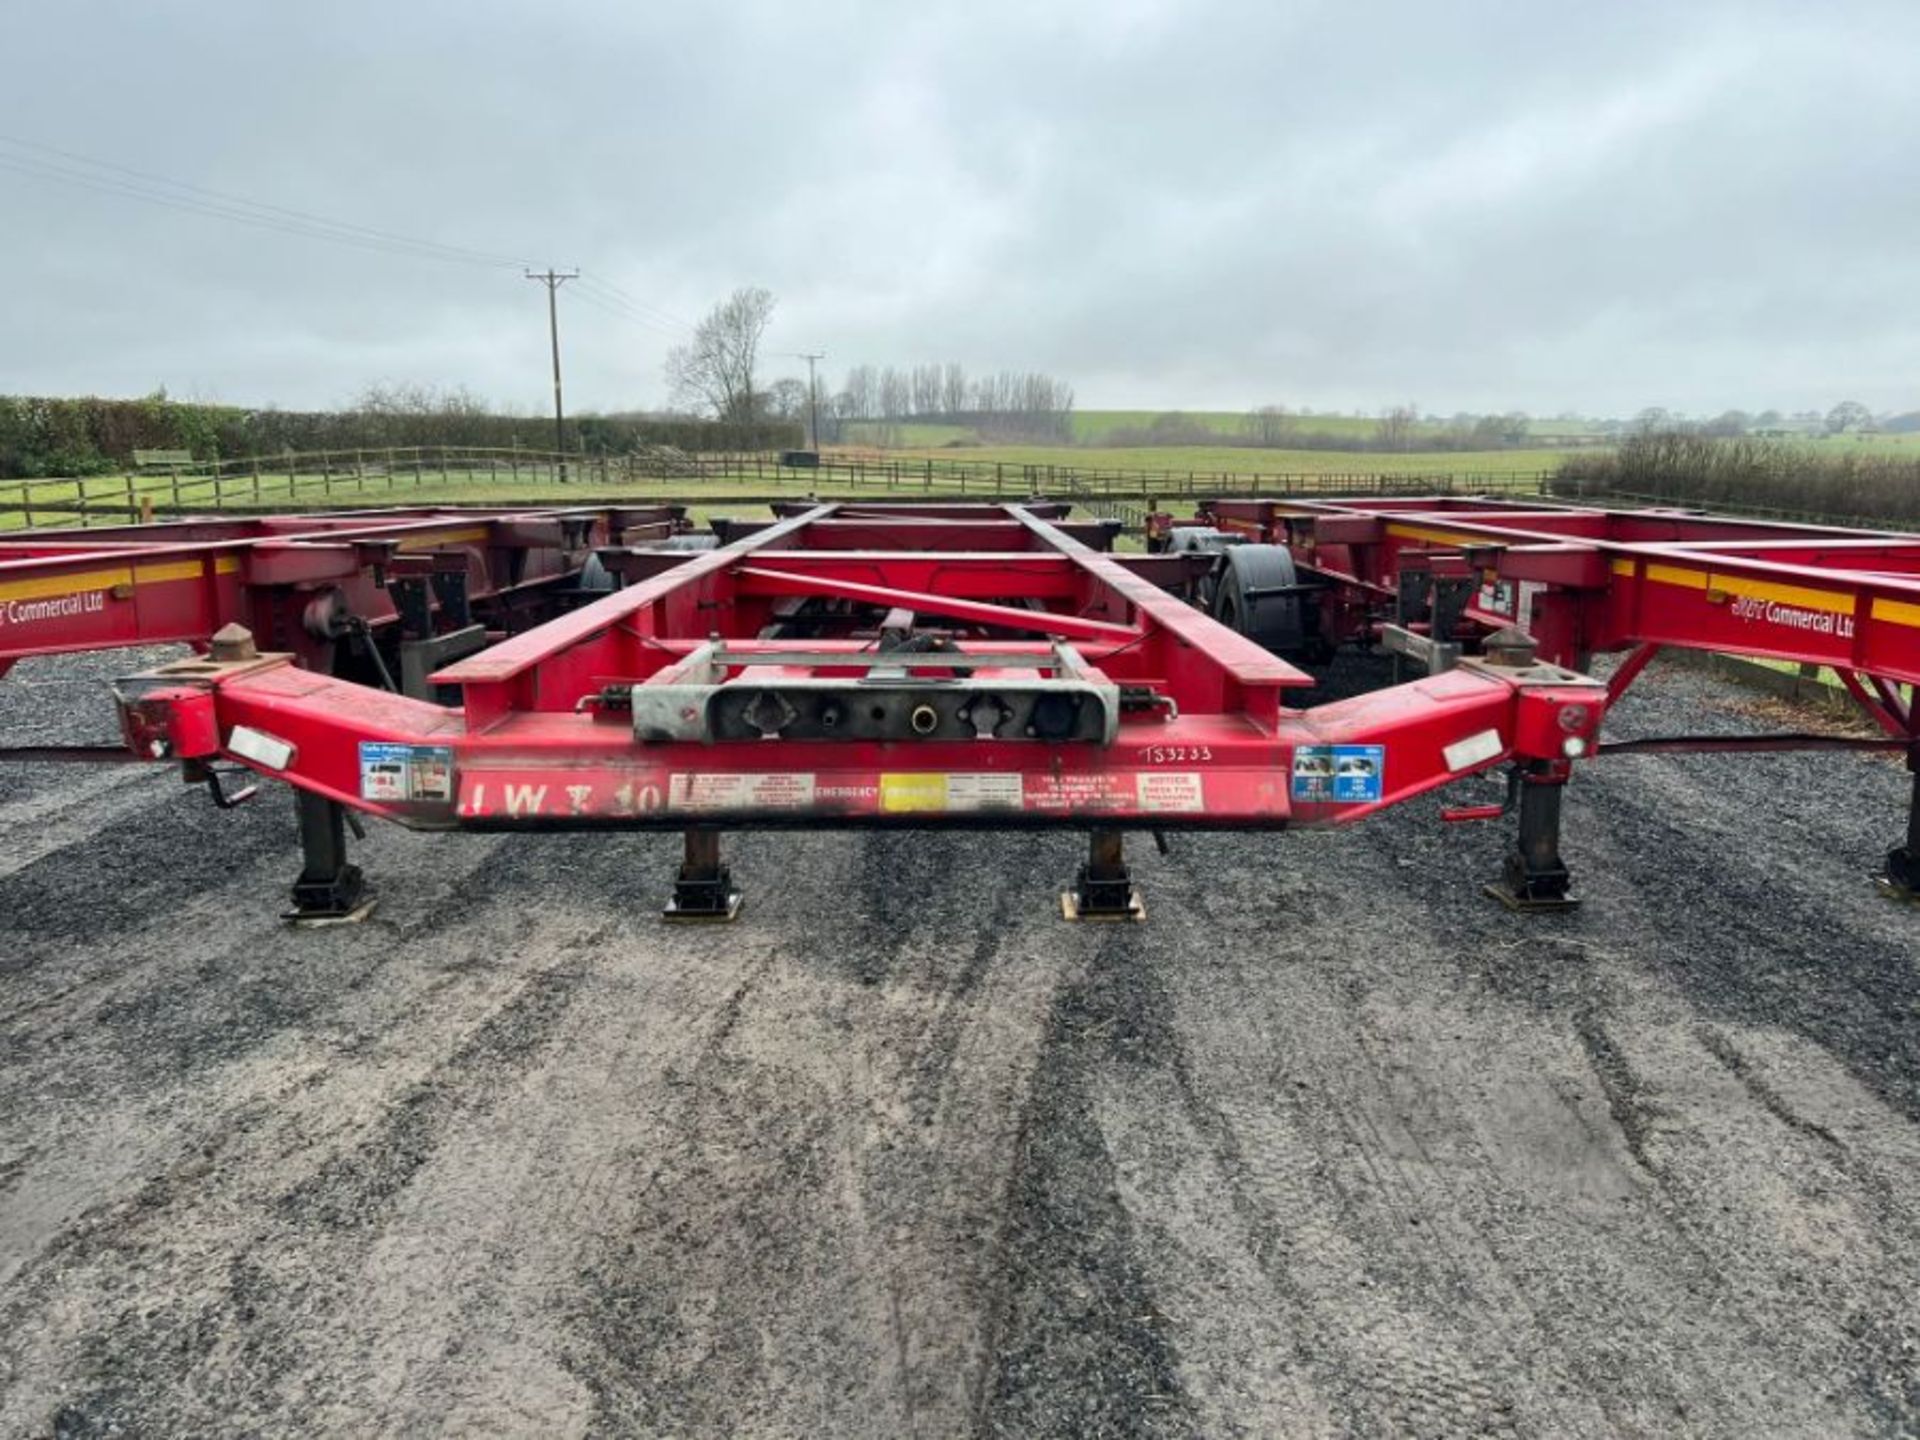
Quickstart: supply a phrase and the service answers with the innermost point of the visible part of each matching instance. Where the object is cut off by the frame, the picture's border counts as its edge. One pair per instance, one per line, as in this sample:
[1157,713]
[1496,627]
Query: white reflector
[260,748]
[1474,750]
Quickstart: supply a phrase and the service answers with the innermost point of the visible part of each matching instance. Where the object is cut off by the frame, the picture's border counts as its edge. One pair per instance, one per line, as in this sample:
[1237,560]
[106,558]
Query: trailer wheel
[1267,619]
[1201,539]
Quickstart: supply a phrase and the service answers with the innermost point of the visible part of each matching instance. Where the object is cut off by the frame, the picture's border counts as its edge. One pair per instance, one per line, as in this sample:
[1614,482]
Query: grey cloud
[1474,206]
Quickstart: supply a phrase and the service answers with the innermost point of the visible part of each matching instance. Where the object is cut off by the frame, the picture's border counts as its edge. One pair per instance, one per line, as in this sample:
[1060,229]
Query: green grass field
[1239,460]
[920,437]
[1095,428]
[1903,446]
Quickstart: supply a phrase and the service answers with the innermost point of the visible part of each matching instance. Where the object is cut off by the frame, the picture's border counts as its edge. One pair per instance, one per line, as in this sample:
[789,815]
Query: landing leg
[1535,878]
[703,892]
[1103,890]
[1903,865]
[329,891]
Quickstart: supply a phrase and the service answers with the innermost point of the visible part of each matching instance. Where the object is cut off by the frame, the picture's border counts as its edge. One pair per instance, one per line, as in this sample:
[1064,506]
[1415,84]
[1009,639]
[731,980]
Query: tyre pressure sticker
[1178,790]
[395,773]
[1339,774]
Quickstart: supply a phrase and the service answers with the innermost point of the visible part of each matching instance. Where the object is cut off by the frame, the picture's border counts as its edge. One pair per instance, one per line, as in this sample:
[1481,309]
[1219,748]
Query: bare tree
[1269,425]
[785,399]
[1849,415]
[860,398]
[714,370]
[896,393]
[1395,431]
[953,389]
[926,389]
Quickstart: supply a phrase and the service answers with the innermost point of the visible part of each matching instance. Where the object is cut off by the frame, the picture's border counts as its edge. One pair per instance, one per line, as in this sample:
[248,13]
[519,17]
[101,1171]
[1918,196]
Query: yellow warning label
[904,792]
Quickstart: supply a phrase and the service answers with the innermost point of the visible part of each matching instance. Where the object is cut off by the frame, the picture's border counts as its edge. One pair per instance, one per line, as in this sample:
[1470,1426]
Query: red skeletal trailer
[1433,578]
[854,665]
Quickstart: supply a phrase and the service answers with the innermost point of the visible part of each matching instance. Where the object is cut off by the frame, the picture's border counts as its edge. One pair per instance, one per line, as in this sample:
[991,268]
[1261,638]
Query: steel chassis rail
[304,583]
[1433,578]
[862,666]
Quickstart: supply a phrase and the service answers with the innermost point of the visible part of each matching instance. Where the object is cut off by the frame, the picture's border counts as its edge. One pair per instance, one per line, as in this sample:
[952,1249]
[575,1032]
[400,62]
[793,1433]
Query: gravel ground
[1333,1145]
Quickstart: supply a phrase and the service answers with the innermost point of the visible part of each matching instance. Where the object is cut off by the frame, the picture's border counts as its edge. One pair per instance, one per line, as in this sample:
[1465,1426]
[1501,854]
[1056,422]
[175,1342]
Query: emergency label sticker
[730,790]
[1339,774]
[391,772]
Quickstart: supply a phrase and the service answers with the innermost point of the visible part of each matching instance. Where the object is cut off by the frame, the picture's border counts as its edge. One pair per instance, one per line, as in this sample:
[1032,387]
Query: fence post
[26,505]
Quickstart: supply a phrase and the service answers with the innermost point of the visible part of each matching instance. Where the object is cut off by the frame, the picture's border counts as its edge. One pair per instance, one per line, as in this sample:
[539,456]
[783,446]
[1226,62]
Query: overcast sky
[1590,206]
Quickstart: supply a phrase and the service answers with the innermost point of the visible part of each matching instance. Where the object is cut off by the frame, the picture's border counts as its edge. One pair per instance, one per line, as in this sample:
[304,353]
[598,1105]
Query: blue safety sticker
[1339,774]
[396,773]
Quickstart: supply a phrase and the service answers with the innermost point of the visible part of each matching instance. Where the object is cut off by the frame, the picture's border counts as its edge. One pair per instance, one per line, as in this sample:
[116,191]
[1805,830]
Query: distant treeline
[1008,405]
[91,436]
[1274,427]
[1694,469]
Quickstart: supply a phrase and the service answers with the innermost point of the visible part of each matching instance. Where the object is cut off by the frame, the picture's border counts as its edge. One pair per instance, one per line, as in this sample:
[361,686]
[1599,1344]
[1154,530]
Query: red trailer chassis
[1432,578]
[846,666]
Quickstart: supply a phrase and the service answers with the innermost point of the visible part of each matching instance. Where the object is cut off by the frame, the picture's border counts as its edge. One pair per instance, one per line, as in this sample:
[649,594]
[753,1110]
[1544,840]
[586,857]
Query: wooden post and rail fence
[172,483]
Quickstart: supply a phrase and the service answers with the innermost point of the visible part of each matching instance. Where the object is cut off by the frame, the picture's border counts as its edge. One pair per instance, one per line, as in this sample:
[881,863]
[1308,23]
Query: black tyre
[1244,598]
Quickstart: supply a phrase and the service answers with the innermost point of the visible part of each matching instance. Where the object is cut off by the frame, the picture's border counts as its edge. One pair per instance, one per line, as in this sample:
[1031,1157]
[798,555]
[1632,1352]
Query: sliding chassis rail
[1433,578]
[858,666]
[314,586]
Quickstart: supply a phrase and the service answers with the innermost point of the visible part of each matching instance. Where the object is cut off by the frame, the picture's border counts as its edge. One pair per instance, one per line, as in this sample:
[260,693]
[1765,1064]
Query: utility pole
[553,280]
[813,400]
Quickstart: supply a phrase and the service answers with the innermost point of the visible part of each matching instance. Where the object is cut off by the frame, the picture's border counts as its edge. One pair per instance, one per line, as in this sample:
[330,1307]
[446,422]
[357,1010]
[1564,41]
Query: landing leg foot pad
[335,893]
[703,911]
[321,919]
[1530,904]
[703,892]
[1074,905]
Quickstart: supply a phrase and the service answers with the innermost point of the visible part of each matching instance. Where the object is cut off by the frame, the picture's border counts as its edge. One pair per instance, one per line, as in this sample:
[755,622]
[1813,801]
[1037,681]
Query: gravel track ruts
[1332,1145]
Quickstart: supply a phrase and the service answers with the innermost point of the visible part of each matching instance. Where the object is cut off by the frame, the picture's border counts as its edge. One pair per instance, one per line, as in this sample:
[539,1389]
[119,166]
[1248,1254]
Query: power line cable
[123,190]
[615,292]
[155,187]
[605,307]
[181,195]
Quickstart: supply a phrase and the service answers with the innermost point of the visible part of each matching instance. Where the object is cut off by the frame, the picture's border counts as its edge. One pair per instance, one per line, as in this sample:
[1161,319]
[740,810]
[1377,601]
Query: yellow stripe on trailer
[79,583]
[443,537]
[1674,575]
[1836,602]
[1897,612]
[52,585]
[1436,537]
